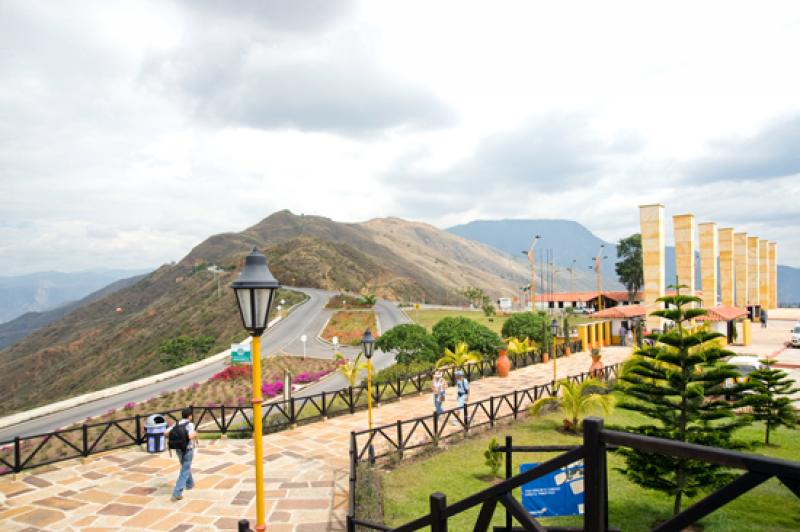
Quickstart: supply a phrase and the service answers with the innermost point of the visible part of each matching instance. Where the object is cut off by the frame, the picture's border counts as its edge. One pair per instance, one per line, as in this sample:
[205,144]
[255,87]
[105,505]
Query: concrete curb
[21,417]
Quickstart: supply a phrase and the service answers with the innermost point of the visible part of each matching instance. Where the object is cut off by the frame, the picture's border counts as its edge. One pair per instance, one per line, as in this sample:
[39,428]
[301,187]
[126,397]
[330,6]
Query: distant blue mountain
[570,241]
[41,291]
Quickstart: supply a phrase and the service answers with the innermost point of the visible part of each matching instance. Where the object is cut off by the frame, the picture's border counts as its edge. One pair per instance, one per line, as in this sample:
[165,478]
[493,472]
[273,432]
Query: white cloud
[130,131]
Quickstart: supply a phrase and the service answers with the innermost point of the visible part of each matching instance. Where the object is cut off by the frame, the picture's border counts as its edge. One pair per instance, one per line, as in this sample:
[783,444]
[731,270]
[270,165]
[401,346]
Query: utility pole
[597,261]
[532,259]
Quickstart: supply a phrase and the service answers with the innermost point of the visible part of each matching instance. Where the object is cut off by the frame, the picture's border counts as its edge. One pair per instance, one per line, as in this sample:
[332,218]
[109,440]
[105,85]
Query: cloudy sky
[130,131]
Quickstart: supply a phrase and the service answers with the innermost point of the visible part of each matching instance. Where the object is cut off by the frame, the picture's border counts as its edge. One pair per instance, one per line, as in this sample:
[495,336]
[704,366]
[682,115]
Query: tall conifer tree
[679,383]
[769,398]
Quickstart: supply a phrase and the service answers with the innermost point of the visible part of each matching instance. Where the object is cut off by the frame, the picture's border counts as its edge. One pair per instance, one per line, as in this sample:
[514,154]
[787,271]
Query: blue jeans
[437,403]
[185,479]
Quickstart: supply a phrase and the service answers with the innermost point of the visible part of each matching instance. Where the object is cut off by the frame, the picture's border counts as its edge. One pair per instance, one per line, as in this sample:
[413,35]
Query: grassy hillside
[94,346]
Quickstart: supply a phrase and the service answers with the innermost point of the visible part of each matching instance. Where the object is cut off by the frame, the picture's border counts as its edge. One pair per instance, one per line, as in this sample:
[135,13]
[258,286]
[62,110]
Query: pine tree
[679,382]
[765,386]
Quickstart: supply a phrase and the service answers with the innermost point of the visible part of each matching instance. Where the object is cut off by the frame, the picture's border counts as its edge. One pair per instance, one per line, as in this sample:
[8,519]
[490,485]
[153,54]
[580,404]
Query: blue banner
[556,494]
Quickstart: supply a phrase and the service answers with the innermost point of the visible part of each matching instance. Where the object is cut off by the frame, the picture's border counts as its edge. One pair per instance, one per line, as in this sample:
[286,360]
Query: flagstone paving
[305,481]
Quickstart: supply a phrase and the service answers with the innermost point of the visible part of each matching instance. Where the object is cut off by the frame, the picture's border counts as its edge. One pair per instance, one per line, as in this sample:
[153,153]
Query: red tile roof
[621,312]
[723,313]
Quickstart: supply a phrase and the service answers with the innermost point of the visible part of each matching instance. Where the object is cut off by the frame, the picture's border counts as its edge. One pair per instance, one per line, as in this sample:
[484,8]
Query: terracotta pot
[503,364]
[545,357]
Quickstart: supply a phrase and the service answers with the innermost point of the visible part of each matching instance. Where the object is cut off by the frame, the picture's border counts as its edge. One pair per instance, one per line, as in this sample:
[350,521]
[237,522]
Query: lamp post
[597,262]
[254,289]
[532,259]
[368,345]
[553,333]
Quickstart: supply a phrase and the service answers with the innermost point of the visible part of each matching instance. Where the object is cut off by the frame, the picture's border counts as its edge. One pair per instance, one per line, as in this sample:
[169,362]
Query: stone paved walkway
[305,486]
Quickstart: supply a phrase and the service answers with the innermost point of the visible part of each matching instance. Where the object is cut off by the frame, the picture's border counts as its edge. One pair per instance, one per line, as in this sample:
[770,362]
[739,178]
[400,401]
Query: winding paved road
[284,337]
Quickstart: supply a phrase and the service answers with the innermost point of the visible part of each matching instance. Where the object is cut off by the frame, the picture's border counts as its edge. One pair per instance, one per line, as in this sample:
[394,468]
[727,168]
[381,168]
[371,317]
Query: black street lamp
[368,347]
[254,288]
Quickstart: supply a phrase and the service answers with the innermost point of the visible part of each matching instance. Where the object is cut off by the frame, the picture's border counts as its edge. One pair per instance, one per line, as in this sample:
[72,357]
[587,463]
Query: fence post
[139,438]
[491,411]
[244,525]
[86,440]
[595,517]
[400,445]
[352,401]
[292,416]
[222,414]
[17,456]
[509,474]
[438,504]
[436,429]
[516,404]
[466,419]
[324,406]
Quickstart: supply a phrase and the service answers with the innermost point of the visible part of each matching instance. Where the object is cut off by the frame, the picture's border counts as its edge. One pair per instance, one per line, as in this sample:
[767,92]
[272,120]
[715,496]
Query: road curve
[283,338]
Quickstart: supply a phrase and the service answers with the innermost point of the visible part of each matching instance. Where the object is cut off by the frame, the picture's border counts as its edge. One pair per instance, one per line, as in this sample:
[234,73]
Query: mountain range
[116,338]
[40,291]
[570,241]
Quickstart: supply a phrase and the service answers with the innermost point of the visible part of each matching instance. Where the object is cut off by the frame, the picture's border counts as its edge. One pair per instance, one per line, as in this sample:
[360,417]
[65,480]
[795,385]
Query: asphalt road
[283,338]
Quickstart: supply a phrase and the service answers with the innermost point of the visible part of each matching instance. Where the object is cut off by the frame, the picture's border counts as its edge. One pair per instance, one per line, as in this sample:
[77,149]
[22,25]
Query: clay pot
[545,357]
[503,364]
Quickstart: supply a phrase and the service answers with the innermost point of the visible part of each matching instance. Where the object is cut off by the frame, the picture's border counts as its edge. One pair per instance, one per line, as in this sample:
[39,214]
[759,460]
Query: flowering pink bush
[271,389]
[233,372]
[129,406]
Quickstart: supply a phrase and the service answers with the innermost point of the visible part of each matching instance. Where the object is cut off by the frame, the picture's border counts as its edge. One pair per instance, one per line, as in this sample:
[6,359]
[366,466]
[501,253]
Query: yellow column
[742,275]
[584,337]
[753,277]
[258,434]
[708,263]
[726,266]
[599,333]
[763,273]
[773,275]
[590,328]
[607,325]
[683,228]
[651,224]
[746,332]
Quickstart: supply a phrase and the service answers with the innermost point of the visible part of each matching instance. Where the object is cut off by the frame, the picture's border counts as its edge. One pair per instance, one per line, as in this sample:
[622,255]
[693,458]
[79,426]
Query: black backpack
[179,438]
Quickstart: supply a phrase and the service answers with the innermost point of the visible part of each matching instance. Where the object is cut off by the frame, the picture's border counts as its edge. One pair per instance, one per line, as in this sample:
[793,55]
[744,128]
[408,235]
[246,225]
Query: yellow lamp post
[368,346]
[254,288]
[553,334]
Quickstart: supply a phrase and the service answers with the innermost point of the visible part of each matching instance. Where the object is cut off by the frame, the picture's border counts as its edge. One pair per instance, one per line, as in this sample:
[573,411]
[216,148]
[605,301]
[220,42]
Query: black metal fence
[596,441]
[82,441]
[405,436]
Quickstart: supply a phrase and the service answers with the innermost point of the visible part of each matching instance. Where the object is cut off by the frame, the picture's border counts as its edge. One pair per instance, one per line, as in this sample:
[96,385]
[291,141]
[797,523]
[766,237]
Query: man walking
[763,319]
[181,437]
[439,390]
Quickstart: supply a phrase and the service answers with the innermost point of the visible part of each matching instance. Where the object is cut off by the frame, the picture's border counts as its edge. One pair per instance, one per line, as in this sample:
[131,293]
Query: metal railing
[404,436]
[593,452]
[82,441]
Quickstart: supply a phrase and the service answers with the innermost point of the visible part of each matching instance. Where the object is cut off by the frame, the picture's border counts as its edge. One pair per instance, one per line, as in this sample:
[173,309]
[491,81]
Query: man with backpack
[181,438]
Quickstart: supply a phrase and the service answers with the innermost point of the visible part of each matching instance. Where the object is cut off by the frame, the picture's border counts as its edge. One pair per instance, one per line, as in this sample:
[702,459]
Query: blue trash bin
[155,426]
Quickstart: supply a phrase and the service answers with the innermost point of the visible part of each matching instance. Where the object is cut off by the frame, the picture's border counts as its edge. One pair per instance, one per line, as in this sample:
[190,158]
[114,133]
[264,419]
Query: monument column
[742,277]
[708,263]
[726,266]
[753,277]
[651,223]
[763,273]
[683,228]
[773,275]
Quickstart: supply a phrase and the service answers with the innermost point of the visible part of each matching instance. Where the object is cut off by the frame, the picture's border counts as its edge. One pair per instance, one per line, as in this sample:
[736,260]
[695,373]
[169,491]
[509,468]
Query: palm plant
[351,369]
[521,347]
[576,400]
[458,358]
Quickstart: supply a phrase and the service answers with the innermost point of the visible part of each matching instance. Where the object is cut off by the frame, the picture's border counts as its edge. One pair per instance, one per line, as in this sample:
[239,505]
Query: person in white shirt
[183,441]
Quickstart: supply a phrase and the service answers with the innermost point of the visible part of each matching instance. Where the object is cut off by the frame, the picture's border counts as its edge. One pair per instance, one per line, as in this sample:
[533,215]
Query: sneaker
[177,498]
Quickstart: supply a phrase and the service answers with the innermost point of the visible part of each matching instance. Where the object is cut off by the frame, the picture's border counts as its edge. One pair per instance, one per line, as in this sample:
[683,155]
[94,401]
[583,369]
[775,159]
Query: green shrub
[451,331]
[494,459]
[411,342]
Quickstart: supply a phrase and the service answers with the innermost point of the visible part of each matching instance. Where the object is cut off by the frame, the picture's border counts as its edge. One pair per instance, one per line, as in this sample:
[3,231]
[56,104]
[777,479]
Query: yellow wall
[763,273]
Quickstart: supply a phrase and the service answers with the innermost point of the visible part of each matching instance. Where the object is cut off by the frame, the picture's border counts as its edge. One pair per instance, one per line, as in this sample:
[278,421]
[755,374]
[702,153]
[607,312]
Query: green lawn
[428,318]
[457,473]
